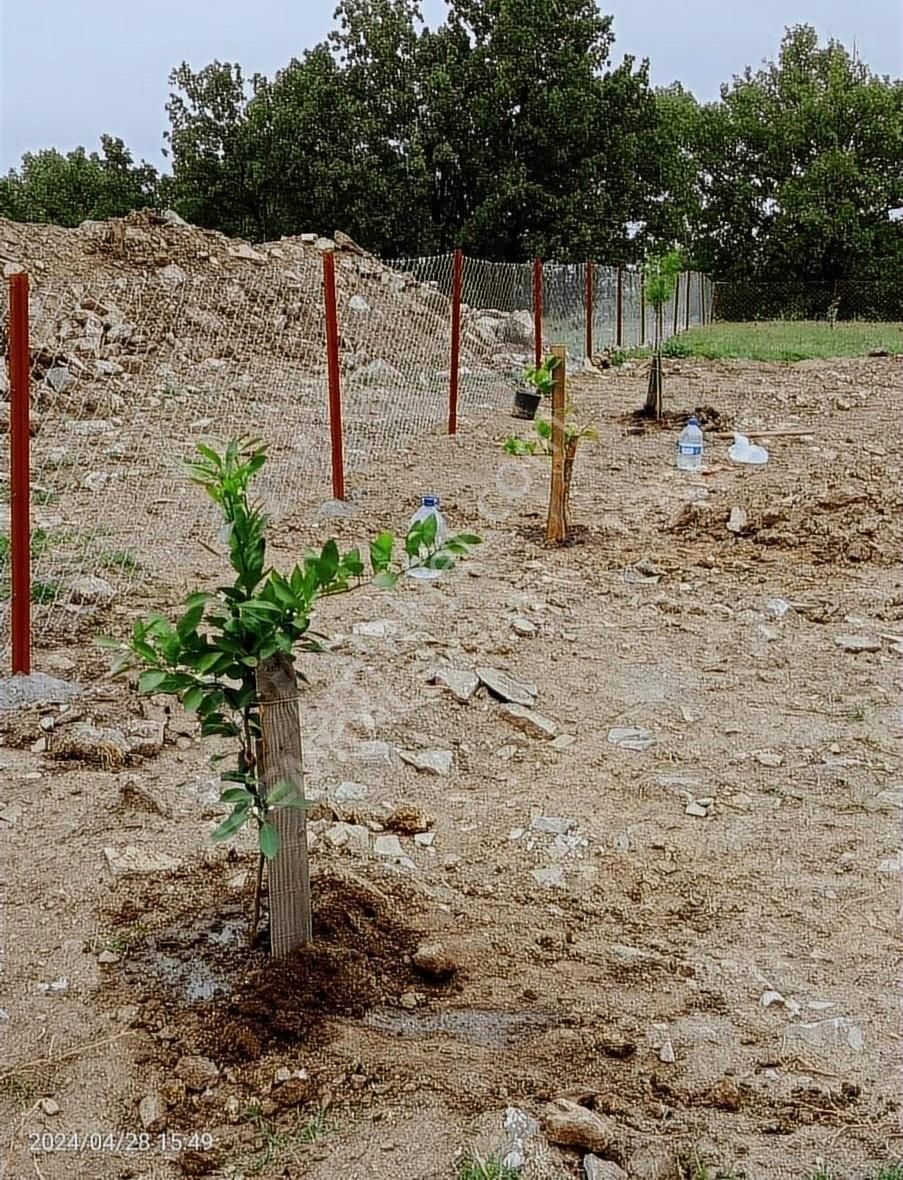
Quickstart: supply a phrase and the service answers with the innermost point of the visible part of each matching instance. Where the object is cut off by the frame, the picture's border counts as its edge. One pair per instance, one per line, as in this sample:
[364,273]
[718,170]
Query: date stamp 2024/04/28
[116,1142]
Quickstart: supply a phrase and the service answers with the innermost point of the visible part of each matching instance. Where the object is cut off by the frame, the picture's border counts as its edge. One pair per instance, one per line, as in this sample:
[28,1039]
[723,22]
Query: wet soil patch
[709,418]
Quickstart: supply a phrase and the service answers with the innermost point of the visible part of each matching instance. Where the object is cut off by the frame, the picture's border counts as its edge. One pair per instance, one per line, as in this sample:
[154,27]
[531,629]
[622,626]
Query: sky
[73,69]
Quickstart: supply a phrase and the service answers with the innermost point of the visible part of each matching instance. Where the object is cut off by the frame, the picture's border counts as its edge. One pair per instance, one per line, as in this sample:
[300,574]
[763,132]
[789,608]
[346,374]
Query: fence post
[642,309]
[457,271]
[19,474]
[289,871]
[557,525]
[619,310]
[687,301]
[537,311]
[676,323]
[590,266]
[334,376]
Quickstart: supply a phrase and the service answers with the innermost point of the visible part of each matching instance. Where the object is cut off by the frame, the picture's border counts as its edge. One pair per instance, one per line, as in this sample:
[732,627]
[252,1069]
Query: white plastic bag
[743,451]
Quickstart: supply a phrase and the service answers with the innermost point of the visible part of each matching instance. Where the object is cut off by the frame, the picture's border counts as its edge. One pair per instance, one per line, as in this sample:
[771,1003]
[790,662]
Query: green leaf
[232,823]
[192,699]
[468,539]
[268,838]
[429,527]
[381,552]
[149,682]
[237,795]
[385,580]
[282,790]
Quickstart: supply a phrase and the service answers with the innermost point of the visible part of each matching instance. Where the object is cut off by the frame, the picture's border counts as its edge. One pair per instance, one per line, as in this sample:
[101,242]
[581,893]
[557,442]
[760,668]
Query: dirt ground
[724,985]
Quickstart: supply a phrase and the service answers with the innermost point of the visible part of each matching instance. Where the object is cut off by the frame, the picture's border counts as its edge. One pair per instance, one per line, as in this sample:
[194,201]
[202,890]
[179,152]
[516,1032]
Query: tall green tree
[68,189]
[800,167]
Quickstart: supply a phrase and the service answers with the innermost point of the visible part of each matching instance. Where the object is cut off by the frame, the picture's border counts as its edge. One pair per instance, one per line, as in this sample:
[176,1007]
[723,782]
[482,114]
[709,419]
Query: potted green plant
[539,381]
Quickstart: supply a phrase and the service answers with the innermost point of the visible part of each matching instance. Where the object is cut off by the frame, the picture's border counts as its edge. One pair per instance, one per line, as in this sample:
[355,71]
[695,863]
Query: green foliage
[65,190]
[542,444]
[476,1168]
[660,276]
[209,657]
[542,377]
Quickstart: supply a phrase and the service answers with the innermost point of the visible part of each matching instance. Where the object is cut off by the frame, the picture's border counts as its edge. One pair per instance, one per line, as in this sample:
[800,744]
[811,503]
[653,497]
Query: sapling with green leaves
[660,282]
[209,657]
[542,444]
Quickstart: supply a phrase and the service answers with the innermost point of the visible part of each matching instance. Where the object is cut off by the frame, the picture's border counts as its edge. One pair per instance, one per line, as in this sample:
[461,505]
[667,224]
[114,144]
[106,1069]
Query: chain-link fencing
[846,300]
[128,373]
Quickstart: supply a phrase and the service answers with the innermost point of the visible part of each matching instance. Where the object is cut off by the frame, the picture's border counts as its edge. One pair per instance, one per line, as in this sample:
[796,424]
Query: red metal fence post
[334,373]
[537,310]
[19,474]
[457,272]
[619,312]
[590,266]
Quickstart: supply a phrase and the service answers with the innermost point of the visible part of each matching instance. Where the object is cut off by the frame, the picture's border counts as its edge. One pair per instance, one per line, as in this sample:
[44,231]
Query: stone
[388,846]
[377,371]
[697,809]
[198,1073]
[631,738]
[152,1112]
[172,218]
[517,328]
[737,520]
[408,819]
[106,368]
[335,510]
[433,961]
[246,253]
[551,877]
[283,1074]
[132,860]
[94,744]
[530,722]
[37,688]
[554,825]
[768,758]
[653,1161]
[563,742]
[324,245]
[376,752]
[96,481]
[725,1095]
[523,627]
[433,761]
[506,688]
[460,683]
[666,1052]
[172,275]
[376,629]
[596,1169]
[567,1124]
[344,242]
[357,303]
[827,1035]
[857,643]
[58,378]
[145,738]
[892,864]
[49,1106]
[351,792]
[356,836]
[425,839]
[107,957]
[408,1001]
[87,590]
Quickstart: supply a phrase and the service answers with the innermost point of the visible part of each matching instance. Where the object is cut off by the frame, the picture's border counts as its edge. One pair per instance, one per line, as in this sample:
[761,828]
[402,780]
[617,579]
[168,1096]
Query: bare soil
[786,885]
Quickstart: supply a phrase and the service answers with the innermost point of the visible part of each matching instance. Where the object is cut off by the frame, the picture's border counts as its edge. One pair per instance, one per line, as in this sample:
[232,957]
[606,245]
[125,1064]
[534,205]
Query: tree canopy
[512,130]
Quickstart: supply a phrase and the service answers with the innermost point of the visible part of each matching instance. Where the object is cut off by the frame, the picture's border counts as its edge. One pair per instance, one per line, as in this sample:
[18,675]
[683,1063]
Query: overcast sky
[72,69]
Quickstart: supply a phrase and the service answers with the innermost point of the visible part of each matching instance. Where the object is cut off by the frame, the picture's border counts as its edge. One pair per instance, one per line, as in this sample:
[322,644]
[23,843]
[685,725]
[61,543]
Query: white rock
[827,1035]
[138,860]
[737,520]
[768,758]
[172,218]
[503,685]
[376,629]
[324,244]
[563,742]
[424,839]
[460,683]
[666,1052]
[550,878]
[351,792]
[359,304]
[58,378]
[95,481]
[247,253]
[376,752]
[857,643]
[596,1169]
[697,809]
[631,738]
[173,275]
[388,845]
[530,722]
[554,825]
[433,761]
[49,1106]
[37,688]
[90,591]
[522,626]
[893,864]
[891,797]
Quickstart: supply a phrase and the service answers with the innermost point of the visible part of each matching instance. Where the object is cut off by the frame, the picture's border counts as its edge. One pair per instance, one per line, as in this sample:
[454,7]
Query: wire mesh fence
[128,374]
[827,302]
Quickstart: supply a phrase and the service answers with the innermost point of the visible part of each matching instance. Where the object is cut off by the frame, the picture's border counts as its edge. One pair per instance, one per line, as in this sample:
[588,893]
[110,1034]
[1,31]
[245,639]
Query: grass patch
[474,1168]
[278,1146]
[785,340]
[119,559]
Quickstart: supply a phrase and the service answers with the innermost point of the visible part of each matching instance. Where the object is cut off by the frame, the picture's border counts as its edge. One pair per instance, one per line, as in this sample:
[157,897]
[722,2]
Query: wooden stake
[289,872]
[557,527]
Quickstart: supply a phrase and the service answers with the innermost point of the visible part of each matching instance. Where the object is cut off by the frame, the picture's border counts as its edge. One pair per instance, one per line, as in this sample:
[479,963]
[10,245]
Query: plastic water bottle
[429,506]
[689,447]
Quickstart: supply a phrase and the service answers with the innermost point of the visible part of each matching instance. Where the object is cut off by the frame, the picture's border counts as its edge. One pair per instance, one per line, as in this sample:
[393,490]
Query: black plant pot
[526,403]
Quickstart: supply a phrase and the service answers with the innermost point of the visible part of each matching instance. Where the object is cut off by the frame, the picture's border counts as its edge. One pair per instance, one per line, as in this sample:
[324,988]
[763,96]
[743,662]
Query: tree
[68,189]
[800,167]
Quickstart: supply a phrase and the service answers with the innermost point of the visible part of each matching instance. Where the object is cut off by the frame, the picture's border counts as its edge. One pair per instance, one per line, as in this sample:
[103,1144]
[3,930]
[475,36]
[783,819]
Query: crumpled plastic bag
[743,451]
